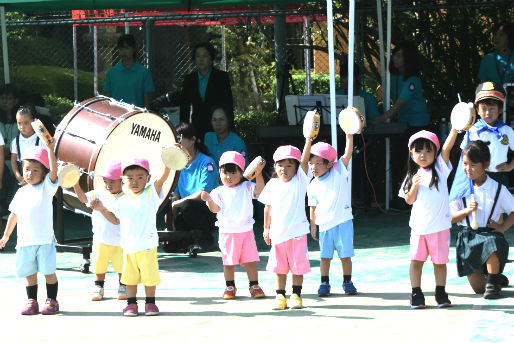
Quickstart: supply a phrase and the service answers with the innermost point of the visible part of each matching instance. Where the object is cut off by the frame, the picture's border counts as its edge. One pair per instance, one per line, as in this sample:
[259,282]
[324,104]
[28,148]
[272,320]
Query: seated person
[223,138]
[191,218]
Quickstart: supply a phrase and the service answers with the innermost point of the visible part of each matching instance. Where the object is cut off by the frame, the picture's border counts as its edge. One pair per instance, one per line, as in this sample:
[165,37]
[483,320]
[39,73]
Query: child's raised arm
[160,181]
[53,161]
[259,184]
[306,153]
[97,205]
[448,145]
[80,193]
[348,150]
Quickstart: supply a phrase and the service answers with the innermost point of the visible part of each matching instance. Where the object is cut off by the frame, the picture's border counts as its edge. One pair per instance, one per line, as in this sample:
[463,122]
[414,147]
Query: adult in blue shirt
[498,66]
[190,213]
[129,81]
[223,138]
[203,88]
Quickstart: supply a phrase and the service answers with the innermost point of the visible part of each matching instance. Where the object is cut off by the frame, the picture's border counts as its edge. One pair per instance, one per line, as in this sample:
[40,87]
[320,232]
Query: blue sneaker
[349,288]
[324,289]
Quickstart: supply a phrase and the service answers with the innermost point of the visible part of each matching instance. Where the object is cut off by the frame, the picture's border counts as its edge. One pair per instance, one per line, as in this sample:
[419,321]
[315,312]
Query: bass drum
[100,130]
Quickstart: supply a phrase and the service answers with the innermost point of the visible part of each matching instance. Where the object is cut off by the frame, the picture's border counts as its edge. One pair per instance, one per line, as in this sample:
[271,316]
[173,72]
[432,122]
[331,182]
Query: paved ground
[192,308]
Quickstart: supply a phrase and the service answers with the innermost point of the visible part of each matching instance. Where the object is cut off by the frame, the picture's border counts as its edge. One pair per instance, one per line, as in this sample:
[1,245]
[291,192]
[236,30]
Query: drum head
[257,164]
[142,135]
[350,121]
[68,175]
[462,116]
[310,124]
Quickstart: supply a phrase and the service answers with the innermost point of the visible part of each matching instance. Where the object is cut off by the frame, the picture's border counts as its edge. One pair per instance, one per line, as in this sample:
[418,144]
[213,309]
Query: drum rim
[94,157]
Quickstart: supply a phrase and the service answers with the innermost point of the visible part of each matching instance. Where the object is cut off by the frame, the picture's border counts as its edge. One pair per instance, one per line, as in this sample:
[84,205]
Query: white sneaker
[98,293]
[122,292]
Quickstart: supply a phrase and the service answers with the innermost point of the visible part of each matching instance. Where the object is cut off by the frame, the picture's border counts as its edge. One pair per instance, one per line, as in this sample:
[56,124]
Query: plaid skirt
[475,246]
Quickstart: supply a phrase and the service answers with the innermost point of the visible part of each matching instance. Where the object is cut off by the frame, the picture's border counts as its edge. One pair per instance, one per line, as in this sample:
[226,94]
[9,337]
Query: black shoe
[492,291]
[503,281]
[417,300]
[442,300]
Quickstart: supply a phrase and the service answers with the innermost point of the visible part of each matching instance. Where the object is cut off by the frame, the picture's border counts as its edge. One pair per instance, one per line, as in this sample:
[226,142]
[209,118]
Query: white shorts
[36,258]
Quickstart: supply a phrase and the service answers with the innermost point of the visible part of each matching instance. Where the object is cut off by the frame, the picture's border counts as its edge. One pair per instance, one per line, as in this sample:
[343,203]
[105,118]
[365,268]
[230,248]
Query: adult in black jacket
[204,88]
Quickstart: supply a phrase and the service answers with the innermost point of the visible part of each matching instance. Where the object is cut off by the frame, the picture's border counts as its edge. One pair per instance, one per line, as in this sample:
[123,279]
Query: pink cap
[37,153]
[287,151]
[427,135]
[324,150]
[233,157]
[113,171]
[141,162]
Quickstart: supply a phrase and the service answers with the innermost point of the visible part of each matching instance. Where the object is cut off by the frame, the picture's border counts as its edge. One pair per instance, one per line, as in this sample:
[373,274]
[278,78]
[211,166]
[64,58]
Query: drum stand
[64,245]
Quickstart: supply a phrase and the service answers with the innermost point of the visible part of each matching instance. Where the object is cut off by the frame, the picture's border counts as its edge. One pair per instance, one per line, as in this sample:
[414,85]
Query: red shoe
[230,292]
[51,307]
[30,308]
[130,310]
[256,292]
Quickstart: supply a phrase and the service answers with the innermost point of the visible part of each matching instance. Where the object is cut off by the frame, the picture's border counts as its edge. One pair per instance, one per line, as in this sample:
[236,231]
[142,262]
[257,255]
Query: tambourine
[175,157]
[351,120]
[68,175]
[254,168]
[463,116]
[311,123]
[42,132]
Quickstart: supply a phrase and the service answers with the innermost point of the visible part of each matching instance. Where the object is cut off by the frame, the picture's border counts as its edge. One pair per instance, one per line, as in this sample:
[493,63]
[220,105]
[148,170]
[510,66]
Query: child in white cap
[330,208]
[32,212]
[233,204]
[425,188]
[135,212]
[285,223]
[106,236]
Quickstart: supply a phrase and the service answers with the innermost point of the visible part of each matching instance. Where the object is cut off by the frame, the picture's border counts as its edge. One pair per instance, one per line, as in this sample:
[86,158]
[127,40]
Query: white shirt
[2,143]
[431,210]
[236,213]
[329,194]
[287,201]
[103,230]
[498,149]
[484,196]
[137,215]
[33,207]
[24,144]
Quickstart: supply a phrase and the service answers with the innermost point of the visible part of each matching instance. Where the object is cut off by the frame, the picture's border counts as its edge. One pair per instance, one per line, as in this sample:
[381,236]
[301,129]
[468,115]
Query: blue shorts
[36,258]
[340,238]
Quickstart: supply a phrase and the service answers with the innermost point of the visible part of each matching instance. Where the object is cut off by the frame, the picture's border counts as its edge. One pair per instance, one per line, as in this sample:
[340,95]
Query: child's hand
[265,235]
[416,179]
[51,145]
[3,242]
[206,196]
[472,206]
[504,167]
[97,205]
[497,227]
[313,233]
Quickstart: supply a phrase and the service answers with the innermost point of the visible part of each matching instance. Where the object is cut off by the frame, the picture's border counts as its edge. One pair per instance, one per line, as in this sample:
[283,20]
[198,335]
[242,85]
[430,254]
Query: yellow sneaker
[281,302]
[296,301]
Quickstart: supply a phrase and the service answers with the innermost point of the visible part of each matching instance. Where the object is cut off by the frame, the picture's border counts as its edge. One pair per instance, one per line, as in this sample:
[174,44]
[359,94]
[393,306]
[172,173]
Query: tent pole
[127,27]
[351,58]
[281,70]
[75,65]
[307,55]
[95,60]
[387,105]
[381,43]
[331,68]
[4,46]
[223,50]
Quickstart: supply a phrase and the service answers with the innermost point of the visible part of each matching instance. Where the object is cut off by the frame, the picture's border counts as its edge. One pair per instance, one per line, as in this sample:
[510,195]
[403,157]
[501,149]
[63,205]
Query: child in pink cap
[135,213]
[232,202]
[106,236]
[32,212]
[425,188]
[285,223]
[331,209]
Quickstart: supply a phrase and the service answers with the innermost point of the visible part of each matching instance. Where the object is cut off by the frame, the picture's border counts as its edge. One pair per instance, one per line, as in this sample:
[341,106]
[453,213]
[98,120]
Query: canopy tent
[51,5]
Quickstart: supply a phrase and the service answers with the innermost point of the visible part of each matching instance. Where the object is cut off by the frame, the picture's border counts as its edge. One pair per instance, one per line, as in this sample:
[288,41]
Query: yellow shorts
[102,254]
[141,267]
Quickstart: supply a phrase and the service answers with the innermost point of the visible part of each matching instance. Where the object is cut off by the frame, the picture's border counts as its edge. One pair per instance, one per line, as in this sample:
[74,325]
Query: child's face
[113,186]
[285,169]
[136,179]
[219,121]
[32,172]
[24,125]
[230,179]
[7,102]
[424,157]
[488,113]
[474,171]
[318,166]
